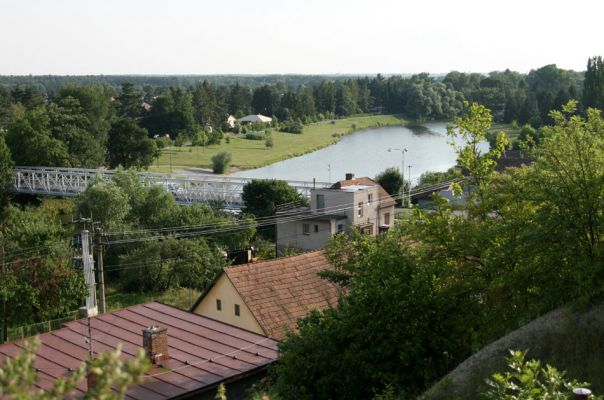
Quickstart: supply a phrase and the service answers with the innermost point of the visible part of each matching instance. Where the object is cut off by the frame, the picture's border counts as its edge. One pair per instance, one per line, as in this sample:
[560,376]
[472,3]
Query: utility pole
[4,309]
[409,175]
[98,238]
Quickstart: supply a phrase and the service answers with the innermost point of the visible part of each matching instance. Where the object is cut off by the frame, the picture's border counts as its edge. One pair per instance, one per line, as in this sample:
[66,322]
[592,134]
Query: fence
[22,332]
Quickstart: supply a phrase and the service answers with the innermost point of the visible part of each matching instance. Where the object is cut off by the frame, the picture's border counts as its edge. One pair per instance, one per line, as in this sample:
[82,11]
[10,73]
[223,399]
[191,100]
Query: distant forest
[89,121]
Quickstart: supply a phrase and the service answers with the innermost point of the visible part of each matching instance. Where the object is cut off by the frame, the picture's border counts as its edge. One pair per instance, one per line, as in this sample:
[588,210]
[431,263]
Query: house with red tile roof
[359,202]
[191,354]
[269,297]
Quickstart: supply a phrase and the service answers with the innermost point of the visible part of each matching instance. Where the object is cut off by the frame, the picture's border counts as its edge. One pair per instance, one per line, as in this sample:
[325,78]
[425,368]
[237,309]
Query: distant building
[360,202]
[190,354]
[268,297]
[251,119]
[146,106]
[231,122]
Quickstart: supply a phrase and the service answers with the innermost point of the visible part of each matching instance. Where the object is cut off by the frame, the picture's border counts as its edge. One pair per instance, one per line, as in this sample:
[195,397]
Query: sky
[82,37]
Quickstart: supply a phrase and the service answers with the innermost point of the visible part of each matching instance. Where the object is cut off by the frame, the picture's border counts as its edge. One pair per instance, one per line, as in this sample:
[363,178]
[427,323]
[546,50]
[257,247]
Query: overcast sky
[283,36]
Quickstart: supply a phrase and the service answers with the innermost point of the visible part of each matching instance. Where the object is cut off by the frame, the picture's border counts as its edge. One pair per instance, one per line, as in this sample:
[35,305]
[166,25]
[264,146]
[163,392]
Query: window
[320,202]
[340,227]
[316,228]
[387,219]
[306,229]
[237,310]
[360,209]
[370,198]
[218,304]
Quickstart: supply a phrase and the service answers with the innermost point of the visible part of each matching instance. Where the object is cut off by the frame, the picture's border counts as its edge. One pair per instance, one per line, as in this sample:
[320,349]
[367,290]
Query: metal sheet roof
[203,352]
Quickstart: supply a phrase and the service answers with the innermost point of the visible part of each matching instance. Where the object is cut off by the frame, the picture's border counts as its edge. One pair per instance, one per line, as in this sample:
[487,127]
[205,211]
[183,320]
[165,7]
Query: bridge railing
[186,189]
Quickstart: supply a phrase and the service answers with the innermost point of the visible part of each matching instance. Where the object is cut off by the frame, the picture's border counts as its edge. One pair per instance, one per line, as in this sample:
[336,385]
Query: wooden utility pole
[98,238]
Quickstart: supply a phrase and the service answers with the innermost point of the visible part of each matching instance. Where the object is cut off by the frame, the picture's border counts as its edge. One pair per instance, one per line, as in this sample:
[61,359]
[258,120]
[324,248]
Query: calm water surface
[365,153]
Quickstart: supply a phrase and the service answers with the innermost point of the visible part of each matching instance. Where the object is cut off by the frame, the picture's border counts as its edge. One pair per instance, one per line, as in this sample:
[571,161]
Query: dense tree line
[426,295]
[110,122]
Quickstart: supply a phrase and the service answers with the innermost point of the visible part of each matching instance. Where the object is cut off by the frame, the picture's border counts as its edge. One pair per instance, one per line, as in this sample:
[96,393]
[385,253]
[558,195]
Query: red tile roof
[385,199]
[203,352]
[280,291]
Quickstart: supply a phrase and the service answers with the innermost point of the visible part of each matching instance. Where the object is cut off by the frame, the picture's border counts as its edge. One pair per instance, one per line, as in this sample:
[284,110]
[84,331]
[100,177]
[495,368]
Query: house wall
[224,290]
[291,234]
[370,210]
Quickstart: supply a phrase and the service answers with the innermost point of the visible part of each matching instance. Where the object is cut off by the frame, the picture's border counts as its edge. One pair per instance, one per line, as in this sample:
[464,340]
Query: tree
[130,146]
[129,102]
[377,335]
[31,142]
[7,177]
[103,201]
[472,128]
[40,282]
[593,86]
[190,263]
[262,196]
[220,162]
[265,100]
[113,376]
[391,180]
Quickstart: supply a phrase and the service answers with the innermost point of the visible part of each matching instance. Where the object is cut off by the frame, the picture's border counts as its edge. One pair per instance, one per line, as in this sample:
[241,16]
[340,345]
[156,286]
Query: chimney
[582,393]
[155,343]
[349,176]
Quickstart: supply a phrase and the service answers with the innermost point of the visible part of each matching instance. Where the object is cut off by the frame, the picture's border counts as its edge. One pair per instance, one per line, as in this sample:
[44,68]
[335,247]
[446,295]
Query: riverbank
[248,154]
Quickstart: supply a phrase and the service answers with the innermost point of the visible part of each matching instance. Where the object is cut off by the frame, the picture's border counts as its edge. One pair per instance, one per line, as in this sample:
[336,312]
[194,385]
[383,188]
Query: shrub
[269,142]
[527,380]
[293,126]
[220,162]
[255,136]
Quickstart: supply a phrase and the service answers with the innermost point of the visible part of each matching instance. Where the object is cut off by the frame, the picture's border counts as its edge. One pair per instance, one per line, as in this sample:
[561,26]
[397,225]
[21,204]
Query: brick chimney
[349,176]
[155,343]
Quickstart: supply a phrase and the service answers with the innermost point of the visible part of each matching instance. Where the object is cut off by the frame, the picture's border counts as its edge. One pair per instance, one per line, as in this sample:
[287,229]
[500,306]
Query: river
[365,153]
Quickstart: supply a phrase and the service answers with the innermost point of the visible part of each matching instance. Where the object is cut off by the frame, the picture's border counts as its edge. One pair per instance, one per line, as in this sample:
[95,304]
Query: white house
[251,119]
[360,202]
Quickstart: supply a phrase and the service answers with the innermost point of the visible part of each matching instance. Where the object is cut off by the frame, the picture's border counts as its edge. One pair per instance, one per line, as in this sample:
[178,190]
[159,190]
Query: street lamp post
[403,151]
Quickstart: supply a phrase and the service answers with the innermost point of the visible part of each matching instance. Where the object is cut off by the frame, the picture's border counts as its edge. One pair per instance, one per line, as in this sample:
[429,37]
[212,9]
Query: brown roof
[280,291]
[385,199]
[203,352]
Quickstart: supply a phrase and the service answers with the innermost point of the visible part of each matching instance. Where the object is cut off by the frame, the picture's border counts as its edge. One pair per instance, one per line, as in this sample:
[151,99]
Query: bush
[269,142]
[214,137]
[220,162]
[255,136]
[527,380]
[293,126]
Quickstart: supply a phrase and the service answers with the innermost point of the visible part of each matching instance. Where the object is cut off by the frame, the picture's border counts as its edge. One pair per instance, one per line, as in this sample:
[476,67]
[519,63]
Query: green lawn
[507,129]
[177,297]
[247,154]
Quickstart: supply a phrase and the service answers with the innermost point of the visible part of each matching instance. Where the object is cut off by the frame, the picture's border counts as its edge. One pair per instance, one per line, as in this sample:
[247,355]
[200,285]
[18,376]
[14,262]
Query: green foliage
[593,92]
[292,126]
[432,178]
[220,162]
[391,180]
[39,285]
[269,142]
[113,376]
[472,128]
[103,201]
[130,146]
[6,172]
[255,135]
[221,392]
[262,196]
[527,380]
[158,266]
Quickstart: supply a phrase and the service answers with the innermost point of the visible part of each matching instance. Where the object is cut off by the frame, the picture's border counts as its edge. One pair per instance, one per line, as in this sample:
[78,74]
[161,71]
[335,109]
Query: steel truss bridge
[49,181]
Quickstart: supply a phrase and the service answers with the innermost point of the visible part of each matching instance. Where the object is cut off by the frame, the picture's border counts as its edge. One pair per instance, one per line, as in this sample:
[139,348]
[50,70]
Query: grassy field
[247,154]
[507,128]
[178,297]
